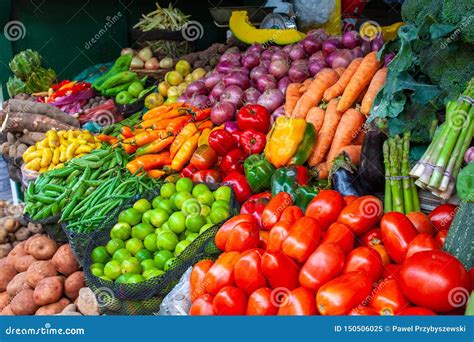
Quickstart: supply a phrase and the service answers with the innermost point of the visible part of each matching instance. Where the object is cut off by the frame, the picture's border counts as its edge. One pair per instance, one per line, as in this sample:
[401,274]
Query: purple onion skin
[212,79]
[342,60]
[388,58]
[365,46]
[311,45]
[357,52]
[297,53]
[255,48]
[376,43]
[265,63]
[222,112]
[218,89]
[196,88]
[469,155]
[287,49]
[318,34]
[200,101]
[236,78]
[283,84]
[267,54]
[226,66]
[250,60]
[279,68]
[331,45]
[231,126]
[271,99]
[266,82]
[258,72]
[316,66]
[233,94]
[298,73]
[251,95]
[317,56]
[280,111]
[350,39]
[184,98]
[279,55]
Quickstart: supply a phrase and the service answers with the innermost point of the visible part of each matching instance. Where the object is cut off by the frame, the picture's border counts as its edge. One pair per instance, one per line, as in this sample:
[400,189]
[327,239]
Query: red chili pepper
[207,176]
[221,141]
[252,141]
[254,206]
[253,116]
[202,114]
[58,86]
[188,171]
[266,194]
[233,161]
[239,184]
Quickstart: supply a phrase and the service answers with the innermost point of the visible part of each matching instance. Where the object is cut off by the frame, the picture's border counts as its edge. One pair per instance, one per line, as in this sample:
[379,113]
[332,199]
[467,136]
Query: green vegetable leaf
[440,30]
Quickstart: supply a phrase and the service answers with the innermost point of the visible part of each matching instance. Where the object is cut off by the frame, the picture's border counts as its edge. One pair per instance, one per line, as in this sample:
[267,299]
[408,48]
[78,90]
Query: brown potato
[17,284]
[17,251]
[49,290]
[65,261]
[42,248]
[11,224]
[7,272]
[23,262]
[54,308]
[4,300]
[73,284]
[7,311]
[38,271]
[23,304]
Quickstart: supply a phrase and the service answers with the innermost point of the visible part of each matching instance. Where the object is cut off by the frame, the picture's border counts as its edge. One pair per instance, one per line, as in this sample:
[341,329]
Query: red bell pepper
[233,161]
[252,142]
[266,194]
[188,171]
[239,184]
[254,207]
[212,176]
[204,157]
[221,141]
[253,116]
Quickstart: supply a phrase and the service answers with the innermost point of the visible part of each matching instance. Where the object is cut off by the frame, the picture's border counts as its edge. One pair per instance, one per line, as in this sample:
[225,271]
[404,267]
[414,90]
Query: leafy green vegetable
[465,183]
[16,86]
[25,62]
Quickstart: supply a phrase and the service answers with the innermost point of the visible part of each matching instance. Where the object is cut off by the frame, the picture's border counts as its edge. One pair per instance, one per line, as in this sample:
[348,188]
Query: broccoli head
[415,11]
[461,15]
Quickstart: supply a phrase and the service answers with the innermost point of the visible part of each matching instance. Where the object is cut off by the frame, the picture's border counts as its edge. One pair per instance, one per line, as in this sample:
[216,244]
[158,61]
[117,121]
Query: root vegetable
[7,272]
[23,304]
[11,224]
[16,252]
[17,122]
[42,248]
[54,308]
[49,290]
[22,234]
[35,228]
[4,300]
[65,261]
[30,107]
[7,311]
[5,249]
[38,271]
[31,138]
[73,284]
[3,235]
[23,262]
[21,148]
[12,151]
[17,284]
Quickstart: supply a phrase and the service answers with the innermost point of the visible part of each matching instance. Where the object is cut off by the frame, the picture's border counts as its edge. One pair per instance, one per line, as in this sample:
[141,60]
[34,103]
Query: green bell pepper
[305,147]
[258,172]
[304,195]
[288,179]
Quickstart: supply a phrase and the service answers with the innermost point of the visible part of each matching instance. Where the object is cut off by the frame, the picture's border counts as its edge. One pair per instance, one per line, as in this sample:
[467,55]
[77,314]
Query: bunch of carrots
[337,102]
[165,140]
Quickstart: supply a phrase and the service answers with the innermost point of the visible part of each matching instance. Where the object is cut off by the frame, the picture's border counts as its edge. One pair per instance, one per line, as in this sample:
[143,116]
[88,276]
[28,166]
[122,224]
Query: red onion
[311,45]
[230,56]
[218,89]
[255,48]
[388,58]
[250,60]
[226,66]
[265,63]
[298,73]
[287,49]
[233,94]
[196,88]
[212,100]
[212,79]
[469,155]
[297,53]
[231,126]
[274,48]
[376,43]
[222,112]
[350,39]
[271,99]
[258,72]
[183,98]
[318,34]
[251,95]
[342,58]
[199,101]
[357,52]
[283,84]
[265,82]
[237,78]
[279,68]
[317,56]
[315,66]
[365,46]
[279,55]
[331,45]
[300,62]
[280,111]
[266,54]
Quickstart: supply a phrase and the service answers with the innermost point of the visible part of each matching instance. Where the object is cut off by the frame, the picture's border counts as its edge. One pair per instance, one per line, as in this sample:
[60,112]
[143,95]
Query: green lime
[165,226]
[169,264]
[147,264]
[173,201]
[195,222]
[150,242]
[142,205]
[161,257]
[180,198]
[114,245]
[166,205]
[218,214]
[142,230]
[192,236]
[97,271]
[184,184]
[143,254]
[131,216]
[206,198]
[100,255]
[152,272]
[131,265]
[112,269]
[221,203]
[155,201]
[191,207]
[97,265]
[120,230]
[199,188]
[177,222]
[121,255]
[205,210]
[182,236]
[158,217]
[133,245]
[106,278]
[135,278]
[167,241]
[205,227]
[123,278]
[181,246]
[167,190]
[223,193]
[146,217]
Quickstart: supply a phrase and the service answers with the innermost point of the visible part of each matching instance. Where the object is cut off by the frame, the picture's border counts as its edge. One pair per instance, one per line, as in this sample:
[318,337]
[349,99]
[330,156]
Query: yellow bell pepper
[284,139]
[204,138]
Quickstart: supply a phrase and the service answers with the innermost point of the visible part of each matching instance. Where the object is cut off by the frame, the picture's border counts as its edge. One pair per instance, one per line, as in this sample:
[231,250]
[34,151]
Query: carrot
[361,95]
[305,85]
[149,162]
[347,130]
[338,88]
[361,79]
[183,156]
[326,133]
[149,136]
[316,117]
[156,173]
[323,171]
[324,79]
[359,139]
[188,131]
[292,96]
[340,71]
[375,85]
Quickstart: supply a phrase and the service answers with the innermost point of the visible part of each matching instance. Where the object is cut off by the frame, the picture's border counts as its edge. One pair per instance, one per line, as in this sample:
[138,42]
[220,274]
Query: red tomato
[325,207]
[300,302]
[230,300]
[349,199]
[421,242]
[363,311]
[421,222]
[202,306]
[364,259]
[291,214]
[387,298]
[362,214]
[204,157]
[302,239]
[339,234]
[242,237]
[391,271]
[272,212]
[442,216]
[263,234]
[277,235]
[371,238]
[383,254]
[397,232]
[280,270]
[341,294]
[434,280]
[221,273]
[223,232]
[261,303]
[416,311]
[248,271]
[196,279]
[325,264]
[440,238]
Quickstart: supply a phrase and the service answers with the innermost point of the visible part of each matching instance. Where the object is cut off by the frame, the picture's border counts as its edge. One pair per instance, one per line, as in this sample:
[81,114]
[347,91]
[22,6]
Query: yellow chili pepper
[204,138]
[71,149]
[52,138]
[187,131]
[56,154]
[29,156]
[46,157]
[62,155]
[34,165]
[183,156]
[84,149]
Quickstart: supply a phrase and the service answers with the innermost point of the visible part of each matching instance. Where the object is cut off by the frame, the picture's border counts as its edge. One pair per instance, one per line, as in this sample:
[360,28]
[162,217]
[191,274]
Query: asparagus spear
[406,181]
[388,189]
[416,199]
[397,194]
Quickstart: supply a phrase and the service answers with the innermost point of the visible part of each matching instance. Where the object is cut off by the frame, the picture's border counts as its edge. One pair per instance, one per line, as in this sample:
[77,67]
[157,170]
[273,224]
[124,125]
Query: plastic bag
[28,176]
[178,301]
[317,14]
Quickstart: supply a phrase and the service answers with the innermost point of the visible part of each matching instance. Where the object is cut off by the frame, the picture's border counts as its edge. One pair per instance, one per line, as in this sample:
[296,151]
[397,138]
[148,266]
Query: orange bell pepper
[188,131]
[149,162]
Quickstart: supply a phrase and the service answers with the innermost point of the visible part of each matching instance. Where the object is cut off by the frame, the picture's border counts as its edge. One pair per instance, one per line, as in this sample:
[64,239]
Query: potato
[42,248]
[38,271]
[23,304]
[17,251]
[49,290]
[17,284]
[73,284]
[4,250]
[34,228]
[11,224]
[4,300]
[23,262]
[22,234]
[3,235]
[54,308]
[7,311]
[65,261]
[7,272]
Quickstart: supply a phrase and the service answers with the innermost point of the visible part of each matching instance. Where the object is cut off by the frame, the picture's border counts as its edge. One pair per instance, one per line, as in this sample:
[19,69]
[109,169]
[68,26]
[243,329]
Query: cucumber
[459,241]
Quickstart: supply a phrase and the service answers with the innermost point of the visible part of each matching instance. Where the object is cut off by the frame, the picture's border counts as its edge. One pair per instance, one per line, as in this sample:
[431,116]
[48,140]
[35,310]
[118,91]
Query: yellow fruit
[52,138]
[153,100]
[34,165]
[183,67]
[71,149]
[198,73]
[29,156]
[163,88]
[62,155]
[174,77]
[83,149]
[173,91]
[46,157]
[56,155]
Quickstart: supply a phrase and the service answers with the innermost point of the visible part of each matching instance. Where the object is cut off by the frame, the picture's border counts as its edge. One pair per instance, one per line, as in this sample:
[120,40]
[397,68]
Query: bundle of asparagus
[400,190]
[437,170]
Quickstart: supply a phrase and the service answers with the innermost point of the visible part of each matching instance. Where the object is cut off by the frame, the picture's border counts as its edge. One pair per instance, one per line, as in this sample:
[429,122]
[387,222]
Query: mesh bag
[145,298]
[52,227]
